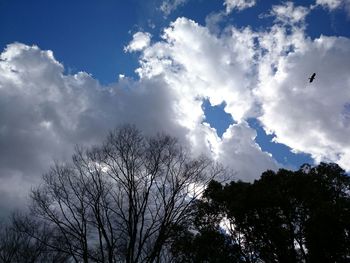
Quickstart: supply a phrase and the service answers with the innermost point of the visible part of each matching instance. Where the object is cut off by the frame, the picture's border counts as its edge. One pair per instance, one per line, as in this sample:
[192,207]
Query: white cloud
[168,6]
[238,4]
[261,74]
[199,64]
[45,112]
[287,13]
[331,4]
[196,64]
[140,41]
[310,117]
[239,151]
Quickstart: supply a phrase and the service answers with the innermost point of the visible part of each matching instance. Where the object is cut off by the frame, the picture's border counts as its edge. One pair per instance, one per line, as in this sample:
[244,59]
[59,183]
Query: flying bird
[312,77]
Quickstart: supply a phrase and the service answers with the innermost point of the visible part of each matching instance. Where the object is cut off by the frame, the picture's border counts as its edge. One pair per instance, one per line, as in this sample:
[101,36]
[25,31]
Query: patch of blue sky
[84,35]
[322,22]
[217,117]
[220,120]
[198,10]
[280,152]
[319,21]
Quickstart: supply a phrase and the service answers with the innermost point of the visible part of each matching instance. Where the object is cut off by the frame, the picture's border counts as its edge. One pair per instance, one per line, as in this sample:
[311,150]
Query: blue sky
[229,78]
[220,120]
[89,35]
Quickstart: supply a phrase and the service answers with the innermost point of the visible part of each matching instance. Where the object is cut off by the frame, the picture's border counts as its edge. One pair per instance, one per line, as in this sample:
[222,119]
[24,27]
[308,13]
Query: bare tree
[120,201]
[18,243]
[9,244]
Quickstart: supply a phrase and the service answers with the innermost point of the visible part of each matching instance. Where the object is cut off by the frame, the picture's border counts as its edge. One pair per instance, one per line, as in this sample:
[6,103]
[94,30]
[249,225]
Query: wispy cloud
[288,13]
[334,4]
[238,4]
[168,6]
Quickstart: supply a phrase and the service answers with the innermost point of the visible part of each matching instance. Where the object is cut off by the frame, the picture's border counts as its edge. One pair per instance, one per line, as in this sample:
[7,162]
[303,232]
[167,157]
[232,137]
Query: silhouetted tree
[17,243]
[9,244]
[205,245]
[119,201]
[138,199]
[288,216]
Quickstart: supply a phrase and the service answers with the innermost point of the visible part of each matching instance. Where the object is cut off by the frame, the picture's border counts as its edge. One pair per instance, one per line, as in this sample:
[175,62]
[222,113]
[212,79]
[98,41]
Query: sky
[229,78]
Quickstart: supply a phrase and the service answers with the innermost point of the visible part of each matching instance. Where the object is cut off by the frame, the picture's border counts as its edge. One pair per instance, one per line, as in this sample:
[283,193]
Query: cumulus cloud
[199,65]
[221,70]
[44,113]
[238,4]
[239,151]
[310,118]
[140,40]
[268,71]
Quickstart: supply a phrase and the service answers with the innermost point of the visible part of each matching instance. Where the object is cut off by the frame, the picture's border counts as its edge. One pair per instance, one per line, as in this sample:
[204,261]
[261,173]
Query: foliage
[288,216]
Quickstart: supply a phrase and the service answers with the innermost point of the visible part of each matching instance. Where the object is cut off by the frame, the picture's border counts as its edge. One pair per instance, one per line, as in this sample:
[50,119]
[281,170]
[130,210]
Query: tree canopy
[285,216]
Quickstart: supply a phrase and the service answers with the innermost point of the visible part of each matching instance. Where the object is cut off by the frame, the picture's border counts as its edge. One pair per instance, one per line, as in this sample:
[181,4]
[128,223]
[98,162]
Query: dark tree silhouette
[118,202]
[16,245]
[137,199]
[288,216]
[209,245]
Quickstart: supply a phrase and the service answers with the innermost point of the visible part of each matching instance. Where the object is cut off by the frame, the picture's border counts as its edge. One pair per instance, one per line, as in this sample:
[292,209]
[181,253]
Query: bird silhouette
[312,77]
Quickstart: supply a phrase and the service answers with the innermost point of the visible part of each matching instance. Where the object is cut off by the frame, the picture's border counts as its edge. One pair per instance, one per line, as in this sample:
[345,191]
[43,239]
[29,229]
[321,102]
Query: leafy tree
[207,245]
[288,216]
